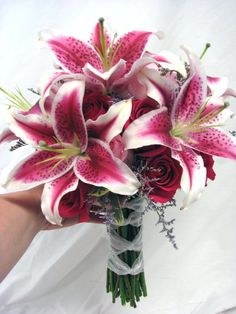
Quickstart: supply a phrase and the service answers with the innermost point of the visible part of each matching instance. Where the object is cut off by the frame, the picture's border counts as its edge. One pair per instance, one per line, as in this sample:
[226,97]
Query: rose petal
[101,168]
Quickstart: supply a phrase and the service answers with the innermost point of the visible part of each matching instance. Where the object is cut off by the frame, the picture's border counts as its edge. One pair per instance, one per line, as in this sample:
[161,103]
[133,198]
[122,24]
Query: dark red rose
[74,204]
[162,174]
[140,107]
[150,151]
[95,104]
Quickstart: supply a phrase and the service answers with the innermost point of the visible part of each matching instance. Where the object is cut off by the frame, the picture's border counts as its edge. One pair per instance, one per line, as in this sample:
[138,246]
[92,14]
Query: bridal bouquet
[115,131]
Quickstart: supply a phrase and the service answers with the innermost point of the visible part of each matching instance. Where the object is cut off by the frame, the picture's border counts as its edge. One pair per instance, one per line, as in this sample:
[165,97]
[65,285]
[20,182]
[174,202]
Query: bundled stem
[129,288]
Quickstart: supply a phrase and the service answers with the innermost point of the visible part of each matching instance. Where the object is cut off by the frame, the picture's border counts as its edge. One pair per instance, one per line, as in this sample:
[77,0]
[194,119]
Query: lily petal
[129,84]
[217,85]
[192,94]
[72,53]
[160,88]
[106,78]
[31,128]
[130,47]
[7,136]
[214,141]
[52,194]
[168,60]
[101,168]
[39,168]
[110,124]
[193,177]
[67,115]
[151,128]
[95,39]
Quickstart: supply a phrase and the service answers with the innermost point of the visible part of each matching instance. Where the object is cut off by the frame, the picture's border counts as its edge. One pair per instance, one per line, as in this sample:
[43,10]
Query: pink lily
[103,60]
[191,123]
[68,151]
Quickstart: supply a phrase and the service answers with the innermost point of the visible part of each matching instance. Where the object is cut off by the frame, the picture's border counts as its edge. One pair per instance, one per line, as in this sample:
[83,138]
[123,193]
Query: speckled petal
[37,169]
[150,129]
[101,168]
[67,115]
[52,194]
[192,94]
[95,39]
[110,124]
[193,177]
[73,53]
[131,47]
[214,141]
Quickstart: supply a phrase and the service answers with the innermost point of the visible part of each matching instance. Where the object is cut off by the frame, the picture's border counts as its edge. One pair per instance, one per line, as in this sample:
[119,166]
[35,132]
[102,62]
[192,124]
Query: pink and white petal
[134,88]
[193,92]
[7,136]
[129,84]
[47,79]
[39,168]
[107,78]
[52,194]
[31,128]
[229,93]
[150,129]
[214,141]
[67,114]
[193,177]
[217,85]
[215,105]
[95,39]
[72,53]
[110,124]
[130,47]
[160,88]
[101,168]
[168,60]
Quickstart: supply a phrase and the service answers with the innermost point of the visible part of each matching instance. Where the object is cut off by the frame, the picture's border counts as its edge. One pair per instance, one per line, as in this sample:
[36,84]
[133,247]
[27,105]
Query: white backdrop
[64,271]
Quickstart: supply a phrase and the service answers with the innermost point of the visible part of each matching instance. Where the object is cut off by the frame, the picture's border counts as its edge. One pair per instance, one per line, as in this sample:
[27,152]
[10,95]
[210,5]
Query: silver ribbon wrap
[120,245]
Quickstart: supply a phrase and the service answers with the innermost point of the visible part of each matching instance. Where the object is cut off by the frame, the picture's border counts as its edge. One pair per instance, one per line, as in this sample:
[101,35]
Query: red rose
[140,107]
[74,203]
[95,104]
[162,174]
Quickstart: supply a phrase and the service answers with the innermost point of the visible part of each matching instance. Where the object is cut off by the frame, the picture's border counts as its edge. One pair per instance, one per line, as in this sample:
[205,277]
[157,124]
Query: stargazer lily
[188,125]
[69,150]
[104,60]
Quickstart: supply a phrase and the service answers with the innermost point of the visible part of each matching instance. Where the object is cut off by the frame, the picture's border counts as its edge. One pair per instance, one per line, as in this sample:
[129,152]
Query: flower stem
[129,288]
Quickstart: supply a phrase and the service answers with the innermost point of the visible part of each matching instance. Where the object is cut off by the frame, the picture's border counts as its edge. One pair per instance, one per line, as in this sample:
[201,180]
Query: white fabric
[63,272]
